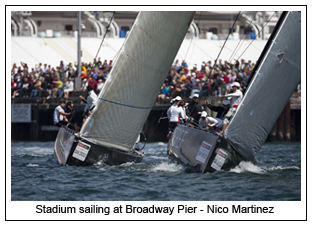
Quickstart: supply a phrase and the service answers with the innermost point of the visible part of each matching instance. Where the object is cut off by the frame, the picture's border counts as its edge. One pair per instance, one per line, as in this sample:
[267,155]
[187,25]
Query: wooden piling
[280,126]
[287,122]
[34,127]
[272,135]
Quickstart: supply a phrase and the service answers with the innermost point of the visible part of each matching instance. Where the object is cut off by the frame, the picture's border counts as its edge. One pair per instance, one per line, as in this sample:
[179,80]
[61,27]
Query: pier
[32,119]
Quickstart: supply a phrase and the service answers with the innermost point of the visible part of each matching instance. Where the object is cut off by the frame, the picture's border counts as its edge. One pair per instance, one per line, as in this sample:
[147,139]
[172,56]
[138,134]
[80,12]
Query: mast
[79,54]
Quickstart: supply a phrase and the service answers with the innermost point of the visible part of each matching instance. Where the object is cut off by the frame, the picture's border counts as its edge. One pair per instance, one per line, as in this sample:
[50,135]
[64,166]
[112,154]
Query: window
[69,27]
[125,28]
[213,30]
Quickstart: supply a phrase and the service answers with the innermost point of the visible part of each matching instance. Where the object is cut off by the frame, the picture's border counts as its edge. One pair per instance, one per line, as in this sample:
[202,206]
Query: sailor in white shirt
[59,115]
[175,115]
[237,97]
[207,123]
[172,101]
[91,102]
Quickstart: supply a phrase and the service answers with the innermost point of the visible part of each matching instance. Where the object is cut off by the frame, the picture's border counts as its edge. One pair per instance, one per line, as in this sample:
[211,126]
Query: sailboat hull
[73,150]
[202,151]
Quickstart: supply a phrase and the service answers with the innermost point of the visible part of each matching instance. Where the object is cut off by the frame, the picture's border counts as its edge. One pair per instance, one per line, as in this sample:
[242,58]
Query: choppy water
[37,176]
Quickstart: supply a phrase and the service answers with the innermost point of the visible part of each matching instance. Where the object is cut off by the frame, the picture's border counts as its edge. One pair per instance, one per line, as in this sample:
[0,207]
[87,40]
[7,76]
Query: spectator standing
[44,87]
[25,87]
[94,83]
[39,68]
[57,73]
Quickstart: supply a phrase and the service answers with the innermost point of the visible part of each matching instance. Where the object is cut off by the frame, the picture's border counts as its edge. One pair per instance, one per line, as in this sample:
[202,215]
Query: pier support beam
[34,127]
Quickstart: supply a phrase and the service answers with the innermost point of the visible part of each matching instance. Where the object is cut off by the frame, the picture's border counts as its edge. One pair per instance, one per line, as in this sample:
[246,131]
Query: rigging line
[192,37]
[125,105]
[160,118]
[188,48]
[108,25]
[240,42]
[257,35]
[226,39]
[220,52]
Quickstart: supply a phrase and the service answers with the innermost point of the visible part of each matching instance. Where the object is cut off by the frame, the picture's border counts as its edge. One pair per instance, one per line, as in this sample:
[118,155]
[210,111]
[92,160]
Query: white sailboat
[110,133]
[274,79]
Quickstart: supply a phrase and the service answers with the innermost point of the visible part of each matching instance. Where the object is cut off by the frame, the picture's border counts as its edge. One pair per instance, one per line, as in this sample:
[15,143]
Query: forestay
[136,78]
[275,80]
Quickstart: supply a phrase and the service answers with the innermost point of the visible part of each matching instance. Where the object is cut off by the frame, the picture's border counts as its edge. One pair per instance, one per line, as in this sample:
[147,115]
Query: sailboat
[273,80]
[110,133]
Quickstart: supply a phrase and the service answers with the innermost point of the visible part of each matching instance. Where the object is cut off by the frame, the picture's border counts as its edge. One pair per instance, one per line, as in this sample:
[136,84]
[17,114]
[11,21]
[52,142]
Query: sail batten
[273,84]
[136,78]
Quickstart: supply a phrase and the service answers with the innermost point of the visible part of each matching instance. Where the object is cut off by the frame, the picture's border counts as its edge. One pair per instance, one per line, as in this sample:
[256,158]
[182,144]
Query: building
[51,36]
[206,24]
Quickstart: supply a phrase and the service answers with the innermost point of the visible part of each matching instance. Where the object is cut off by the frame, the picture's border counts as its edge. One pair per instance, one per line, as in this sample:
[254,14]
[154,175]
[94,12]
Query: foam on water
[247,167]
[166,167]
[282,168]
[156,178]
[33,165]
[158,157]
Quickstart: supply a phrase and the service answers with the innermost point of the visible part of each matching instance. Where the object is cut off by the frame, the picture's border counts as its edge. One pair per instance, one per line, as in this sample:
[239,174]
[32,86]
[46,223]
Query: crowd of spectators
[182,80]
[209,79]
[51,82]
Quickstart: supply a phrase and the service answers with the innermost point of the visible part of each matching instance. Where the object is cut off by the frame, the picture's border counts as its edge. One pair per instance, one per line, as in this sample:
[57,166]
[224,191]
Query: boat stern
[63,144]
[192,147]
[201,151]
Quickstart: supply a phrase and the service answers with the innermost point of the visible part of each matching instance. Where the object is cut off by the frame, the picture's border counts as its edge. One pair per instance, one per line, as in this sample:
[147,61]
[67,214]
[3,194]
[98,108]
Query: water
[37,176]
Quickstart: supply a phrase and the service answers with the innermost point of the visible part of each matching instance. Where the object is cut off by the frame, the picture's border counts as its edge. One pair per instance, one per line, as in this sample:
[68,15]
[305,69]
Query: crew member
[59,115]
[221,110]
[175,114]
[237,96]
[206,122]
[194,109]
[69,108]
[91,103]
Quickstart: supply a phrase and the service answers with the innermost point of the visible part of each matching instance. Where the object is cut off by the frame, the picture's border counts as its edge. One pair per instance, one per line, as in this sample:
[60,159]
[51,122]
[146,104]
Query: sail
[274,82]
[136,78]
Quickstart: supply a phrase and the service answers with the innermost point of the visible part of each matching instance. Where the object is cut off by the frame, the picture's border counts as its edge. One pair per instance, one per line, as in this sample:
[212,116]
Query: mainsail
[134,82]
[275,80]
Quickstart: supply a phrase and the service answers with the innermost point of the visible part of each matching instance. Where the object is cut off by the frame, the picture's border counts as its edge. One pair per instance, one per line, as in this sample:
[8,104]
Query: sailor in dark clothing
[72,122]
[222,110]
[194,109]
